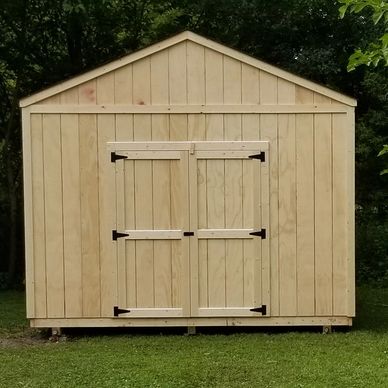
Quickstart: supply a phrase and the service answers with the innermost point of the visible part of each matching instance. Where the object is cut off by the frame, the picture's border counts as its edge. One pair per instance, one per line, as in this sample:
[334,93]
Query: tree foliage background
[45,41]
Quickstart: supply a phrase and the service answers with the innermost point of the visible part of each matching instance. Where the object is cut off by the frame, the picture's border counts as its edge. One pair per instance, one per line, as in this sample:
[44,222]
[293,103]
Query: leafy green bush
[371,248]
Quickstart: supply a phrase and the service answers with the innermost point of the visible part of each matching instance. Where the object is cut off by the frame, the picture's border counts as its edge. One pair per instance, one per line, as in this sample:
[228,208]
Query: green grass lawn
[128,358]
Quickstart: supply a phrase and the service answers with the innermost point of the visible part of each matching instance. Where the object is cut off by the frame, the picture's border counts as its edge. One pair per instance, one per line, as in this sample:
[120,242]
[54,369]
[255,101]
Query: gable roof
[190,36]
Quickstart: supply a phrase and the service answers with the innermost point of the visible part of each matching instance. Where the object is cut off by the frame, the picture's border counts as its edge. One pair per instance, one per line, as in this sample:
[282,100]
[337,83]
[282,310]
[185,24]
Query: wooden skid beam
[216,321]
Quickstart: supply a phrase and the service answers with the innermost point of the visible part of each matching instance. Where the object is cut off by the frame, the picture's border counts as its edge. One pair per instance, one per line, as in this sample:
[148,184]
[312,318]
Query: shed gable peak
[206,68]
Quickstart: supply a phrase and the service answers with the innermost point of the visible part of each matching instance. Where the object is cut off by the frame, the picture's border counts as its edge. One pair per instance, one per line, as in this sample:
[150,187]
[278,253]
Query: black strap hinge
[262,309]
[116,235]
[261,233]
[260,156]
[114,157]
[117,311]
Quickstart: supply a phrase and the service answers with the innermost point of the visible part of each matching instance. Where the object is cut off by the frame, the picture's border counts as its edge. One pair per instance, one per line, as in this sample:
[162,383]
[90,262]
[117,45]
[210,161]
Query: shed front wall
[69,181]
[74,271]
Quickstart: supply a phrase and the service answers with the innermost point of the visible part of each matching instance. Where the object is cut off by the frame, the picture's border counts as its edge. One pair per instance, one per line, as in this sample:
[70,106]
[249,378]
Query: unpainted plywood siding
[188,73]
[74,271]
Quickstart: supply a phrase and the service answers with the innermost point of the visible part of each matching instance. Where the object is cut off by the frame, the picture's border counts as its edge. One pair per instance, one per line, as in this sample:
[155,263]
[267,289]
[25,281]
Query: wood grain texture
[125,200]
[287,216]
[269,132]
[141,82]
[177,57]
[123,85]
[38,217]
[53,215]
[106,197]
[305,248]
[195,73]
[87,93]
[234,261]
[340,199]
[90,218]
[215,204]
[159,78]
[323,215]
[71,215]
[214,78]
[350,214]
[250,85]
[28,212]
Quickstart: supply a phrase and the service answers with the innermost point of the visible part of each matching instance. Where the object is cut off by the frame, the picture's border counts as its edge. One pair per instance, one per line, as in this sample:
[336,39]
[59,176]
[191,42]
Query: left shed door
[152,214]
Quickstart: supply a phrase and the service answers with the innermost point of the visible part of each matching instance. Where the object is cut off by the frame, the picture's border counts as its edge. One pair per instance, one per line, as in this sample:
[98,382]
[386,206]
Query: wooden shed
[188,184]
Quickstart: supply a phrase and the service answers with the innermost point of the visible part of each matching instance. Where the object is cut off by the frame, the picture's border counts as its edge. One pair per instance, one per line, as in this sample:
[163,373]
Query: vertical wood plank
[287,216]
[216,219]
[87,92]
[53,215]
[303,95]
[71,215]
[232,81]
[265,222]
[162,249]
[38,217]
[268,88]
[89,215]
[195,73]
[196,127]
[161,182]
[124,127]
[286,92]
[202,224]
[144,217]
[56,99]
[215,216]
[178,127]
[321,99]
[106,89]
[159,78]
[70,96]
[106,180]
[214,90]
[28,211]
[125,187]
[123,85]
[234,262]
[250,131]
[180,220]
[126,268]
[340,200]
[350,213]
[196,89]
[215,127]
[269,131]
[141,81]
[323,215]
[305,213]
[250,87]
[177,73]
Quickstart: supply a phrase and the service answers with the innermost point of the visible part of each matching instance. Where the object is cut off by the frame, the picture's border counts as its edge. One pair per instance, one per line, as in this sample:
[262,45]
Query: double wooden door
[192,228]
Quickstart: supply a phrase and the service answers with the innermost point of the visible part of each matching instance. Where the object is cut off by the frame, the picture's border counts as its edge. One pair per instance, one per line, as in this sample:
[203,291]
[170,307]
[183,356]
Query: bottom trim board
[216,321]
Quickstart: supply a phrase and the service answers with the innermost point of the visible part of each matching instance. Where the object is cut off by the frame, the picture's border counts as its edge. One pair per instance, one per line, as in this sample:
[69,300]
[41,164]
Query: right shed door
[230,271]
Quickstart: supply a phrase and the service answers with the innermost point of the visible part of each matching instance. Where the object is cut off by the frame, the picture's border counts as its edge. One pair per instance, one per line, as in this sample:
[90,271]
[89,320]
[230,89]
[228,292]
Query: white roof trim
[77,80]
